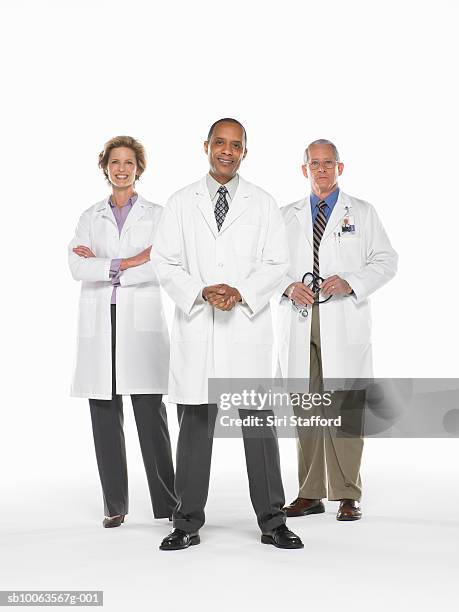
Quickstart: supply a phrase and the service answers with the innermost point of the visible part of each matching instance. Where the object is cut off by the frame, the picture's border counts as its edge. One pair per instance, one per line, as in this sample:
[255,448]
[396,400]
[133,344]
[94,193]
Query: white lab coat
[142,338]
[249,253]
[365,259]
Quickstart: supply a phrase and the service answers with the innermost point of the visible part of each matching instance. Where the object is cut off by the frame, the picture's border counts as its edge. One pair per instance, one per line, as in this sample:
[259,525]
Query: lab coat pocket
[87,317]
[246,240]
[251,330]
[148,311]
[347,252]
[141,234]
[191,326]
[357,321]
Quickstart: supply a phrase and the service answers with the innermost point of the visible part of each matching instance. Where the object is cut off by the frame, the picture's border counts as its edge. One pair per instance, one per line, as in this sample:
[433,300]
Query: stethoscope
[314,282]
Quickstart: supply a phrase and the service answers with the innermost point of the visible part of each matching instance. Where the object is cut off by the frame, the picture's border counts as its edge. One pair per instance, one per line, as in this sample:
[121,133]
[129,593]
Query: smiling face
[225,151]
[122,167]
[322,169]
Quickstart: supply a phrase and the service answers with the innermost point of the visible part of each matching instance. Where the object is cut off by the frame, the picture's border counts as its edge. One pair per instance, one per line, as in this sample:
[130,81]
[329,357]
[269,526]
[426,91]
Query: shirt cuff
[115,267]
[115,271]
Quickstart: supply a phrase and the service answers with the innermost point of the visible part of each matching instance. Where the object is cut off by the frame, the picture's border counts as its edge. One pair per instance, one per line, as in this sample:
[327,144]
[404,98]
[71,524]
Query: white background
[380,81]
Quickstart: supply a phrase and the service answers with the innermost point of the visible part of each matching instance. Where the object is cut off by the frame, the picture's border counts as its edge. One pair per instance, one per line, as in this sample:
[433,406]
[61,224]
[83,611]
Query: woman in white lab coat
[123,341]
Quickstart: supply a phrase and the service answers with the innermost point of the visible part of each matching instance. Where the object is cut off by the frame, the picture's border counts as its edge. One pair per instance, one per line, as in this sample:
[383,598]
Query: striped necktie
[221,207]
[318,231]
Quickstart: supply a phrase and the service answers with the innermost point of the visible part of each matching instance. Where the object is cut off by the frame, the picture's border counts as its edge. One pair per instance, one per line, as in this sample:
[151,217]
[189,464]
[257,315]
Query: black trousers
[151,420]
[194,452]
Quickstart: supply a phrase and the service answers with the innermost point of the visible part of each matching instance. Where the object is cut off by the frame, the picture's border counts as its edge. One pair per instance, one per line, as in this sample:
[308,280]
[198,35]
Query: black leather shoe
[114,521]
[179,539]
[282,537]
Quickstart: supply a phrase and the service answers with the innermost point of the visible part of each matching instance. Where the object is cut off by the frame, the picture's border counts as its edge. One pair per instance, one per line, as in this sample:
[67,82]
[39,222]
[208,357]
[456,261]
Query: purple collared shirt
[120,215]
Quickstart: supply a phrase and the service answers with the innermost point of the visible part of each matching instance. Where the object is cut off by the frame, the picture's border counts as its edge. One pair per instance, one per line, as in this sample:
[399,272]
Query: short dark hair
[227,120]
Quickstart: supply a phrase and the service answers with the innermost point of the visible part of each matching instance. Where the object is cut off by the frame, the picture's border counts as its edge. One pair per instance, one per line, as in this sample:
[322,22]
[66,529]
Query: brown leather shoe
[349,510]
[113,521]
[302,507]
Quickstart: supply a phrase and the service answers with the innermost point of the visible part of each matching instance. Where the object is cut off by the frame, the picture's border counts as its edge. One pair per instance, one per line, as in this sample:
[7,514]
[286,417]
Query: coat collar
[237,206]
[137,211]
[303,214]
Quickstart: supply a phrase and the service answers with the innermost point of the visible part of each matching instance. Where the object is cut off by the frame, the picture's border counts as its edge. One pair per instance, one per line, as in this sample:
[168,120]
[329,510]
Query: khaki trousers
[324,458]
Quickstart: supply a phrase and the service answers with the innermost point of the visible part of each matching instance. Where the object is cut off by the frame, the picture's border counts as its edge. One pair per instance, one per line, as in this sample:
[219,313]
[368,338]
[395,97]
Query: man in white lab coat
[221,254]
[341,239]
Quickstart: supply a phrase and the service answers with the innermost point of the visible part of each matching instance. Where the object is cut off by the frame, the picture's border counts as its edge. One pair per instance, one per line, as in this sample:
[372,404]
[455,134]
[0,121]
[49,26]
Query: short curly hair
[130,143]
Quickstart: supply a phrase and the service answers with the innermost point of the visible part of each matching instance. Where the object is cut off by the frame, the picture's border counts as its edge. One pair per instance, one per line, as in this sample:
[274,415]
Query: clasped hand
[221,296]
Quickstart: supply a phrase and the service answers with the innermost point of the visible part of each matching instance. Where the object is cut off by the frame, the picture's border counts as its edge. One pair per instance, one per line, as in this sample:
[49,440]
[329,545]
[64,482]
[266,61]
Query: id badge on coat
[348,222]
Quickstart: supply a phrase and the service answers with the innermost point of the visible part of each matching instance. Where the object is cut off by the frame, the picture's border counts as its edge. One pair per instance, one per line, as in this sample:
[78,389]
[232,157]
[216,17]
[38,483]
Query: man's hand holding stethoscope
[300,293]
[335,285]
[314,289]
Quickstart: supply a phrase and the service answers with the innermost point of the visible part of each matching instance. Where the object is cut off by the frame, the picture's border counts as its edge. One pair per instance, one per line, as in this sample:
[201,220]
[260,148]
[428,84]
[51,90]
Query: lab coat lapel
[104,210]
[337,214]
[238,205]
[136,213]
[303,214]
[204,204]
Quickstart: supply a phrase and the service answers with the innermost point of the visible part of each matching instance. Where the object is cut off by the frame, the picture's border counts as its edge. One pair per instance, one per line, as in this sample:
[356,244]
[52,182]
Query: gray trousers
[194,452]
[325,458]
[151,420]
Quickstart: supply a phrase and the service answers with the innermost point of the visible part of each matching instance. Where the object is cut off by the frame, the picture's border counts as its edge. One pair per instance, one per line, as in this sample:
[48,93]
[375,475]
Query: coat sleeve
[269,277]
[289,276]
[180,285]
[145,273]
[381,260]
[91,268]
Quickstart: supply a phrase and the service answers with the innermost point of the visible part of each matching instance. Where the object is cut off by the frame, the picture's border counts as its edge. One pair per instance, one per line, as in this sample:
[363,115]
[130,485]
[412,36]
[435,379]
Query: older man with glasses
[339,255]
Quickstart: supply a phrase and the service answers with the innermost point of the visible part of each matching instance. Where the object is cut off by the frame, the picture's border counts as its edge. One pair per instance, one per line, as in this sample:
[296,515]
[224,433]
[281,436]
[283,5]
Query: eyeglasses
[328,164]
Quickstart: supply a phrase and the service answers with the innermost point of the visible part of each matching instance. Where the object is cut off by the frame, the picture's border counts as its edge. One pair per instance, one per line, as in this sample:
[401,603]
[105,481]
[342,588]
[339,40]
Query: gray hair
[321,141]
